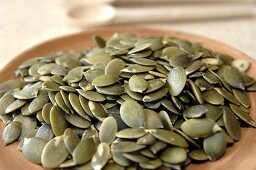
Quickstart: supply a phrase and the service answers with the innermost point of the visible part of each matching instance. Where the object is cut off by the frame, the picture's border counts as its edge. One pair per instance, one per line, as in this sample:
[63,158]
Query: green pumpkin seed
[54,153]
[92,95]
[77,121]
[71,140]
[114,67]
[199,128]
[57,120]
[97,55]
[180,60]
[50,86]
[157,146]
[99,41]
[67,164]
[213,112]
[169,137]
[101,156]
[233,78]
[156,95]
[242,115]
[147,139]
[45,132]
[84,151]
[141,54]
[113,166]
[132,114]
[134,95]
[46,112]
[28,127]
[170,52]
[195,65]
[135,68]
[138,84]
[169,106]
[198,155]
[231,124]
[32,149]
[15,105]
[84,104]
[46,68]
[227,95]
[74,75]
[195,111]
[98,110]
[115,89]
[152,119]
[11,84]
[215,146]
[176,81]
[119,158]
[144,61]
[91,74]
[174,155]
[242,97]
[104,80]
[60,102]
[131,133]
[213,97]
[211,78]
[165,119]
[136,158]
[197,93]
[190,140]
[108,129]
[126,147]
[75,103]
[203,84]
[38,103]
[11,132]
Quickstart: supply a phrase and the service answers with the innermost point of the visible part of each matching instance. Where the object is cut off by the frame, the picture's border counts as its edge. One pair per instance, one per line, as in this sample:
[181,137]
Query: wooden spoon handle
[179,13]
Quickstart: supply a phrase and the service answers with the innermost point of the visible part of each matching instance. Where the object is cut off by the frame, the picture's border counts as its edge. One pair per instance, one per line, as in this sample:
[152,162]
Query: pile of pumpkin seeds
[130,103]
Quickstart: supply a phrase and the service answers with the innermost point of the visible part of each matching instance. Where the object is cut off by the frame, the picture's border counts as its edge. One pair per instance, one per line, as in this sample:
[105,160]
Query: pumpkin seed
[84,151]
[97,55]
[165,119]
[45,132]
[75,103]
[198,155]
[242,115]
[98,110]
[38,103]
[126,147]
[138,84]
[180,60]
[233,78]
[57,120]
[132,114]
[54,153]
[170,52]
[135,68]
[15,105]
[199,128]
[77,121]
[91,74]
[152,119]
[169,137]
[195,111]
[147,139]
[213,97]
[108,130]
[136,158]
[242,97]
[174,155]
[231,124]
[104,80]
[101,156]
[115,89]
[46,112]
[11,132]
[71,140]
[156,95]
[32,149]
[131,133]
[99,41]
[215,146]
[227,95]
[157,146]
[176,81]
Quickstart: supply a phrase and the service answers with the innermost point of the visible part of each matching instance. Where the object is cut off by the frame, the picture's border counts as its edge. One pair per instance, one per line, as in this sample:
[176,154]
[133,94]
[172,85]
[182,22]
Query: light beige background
[25,23]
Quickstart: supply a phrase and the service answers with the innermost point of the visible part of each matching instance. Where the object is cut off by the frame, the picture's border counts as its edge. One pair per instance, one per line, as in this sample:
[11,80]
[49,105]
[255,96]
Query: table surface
[25,23]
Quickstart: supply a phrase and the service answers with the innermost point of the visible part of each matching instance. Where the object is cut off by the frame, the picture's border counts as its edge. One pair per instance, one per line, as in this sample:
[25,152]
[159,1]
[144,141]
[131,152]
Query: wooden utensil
[96,14]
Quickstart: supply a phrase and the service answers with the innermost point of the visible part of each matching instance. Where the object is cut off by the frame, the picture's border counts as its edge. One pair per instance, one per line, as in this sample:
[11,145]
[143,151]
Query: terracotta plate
[241,156]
